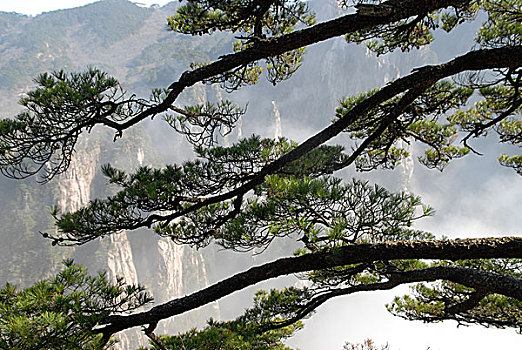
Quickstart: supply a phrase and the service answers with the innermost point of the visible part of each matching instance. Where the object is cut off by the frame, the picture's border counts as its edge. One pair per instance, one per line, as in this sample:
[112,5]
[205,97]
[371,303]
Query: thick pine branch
[295,40]
[484,282]
[260,49]
[423,77]
[412,84]
[482,248]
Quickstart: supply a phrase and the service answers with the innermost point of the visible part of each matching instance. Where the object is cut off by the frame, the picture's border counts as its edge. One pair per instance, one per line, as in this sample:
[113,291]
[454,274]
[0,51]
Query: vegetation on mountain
[355,237]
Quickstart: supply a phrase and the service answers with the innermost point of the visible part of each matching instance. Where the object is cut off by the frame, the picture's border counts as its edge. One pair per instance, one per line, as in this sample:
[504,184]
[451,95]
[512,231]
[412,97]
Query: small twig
[481,127]
[473,300]
[149,332]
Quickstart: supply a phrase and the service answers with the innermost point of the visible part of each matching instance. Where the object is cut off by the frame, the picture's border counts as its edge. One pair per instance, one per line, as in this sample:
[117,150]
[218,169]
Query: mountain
[133,44]
[119,37]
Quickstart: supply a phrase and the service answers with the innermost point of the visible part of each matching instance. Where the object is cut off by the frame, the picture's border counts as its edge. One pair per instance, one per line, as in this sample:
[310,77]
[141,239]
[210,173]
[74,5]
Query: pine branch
[412,85]
[295,40]
[507,247]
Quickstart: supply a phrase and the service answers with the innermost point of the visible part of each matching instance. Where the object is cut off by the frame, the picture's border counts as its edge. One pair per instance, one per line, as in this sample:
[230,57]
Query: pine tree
[355,237]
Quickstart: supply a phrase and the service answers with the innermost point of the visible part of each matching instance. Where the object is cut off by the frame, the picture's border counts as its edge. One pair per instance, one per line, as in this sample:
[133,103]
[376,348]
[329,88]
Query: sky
[35,7]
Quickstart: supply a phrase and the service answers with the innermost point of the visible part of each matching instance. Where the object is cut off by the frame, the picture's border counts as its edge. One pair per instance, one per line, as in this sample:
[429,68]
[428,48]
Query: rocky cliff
[132,44]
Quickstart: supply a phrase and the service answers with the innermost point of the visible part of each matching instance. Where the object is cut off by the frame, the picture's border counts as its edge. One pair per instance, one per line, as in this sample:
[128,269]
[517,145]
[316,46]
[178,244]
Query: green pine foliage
[445,300]
[61,312]
[225,336]
[254,22]
[258,191]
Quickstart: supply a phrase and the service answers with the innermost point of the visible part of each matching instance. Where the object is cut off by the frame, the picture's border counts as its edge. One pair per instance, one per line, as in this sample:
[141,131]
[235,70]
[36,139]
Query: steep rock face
[119,258]
[407,167]
[171,267]
[25,256]
[75,191]
[75,184]
[141,57]
[121,264]
[278,132]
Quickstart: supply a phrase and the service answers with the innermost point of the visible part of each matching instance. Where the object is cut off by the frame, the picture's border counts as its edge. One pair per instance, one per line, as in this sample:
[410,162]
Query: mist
[473,197]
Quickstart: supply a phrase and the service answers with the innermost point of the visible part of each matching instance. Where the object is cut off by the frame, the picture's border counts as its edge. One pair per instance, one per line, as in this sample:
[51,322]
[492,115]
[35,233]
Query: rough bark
[417,81]
[483,282]
[506,247]
[278,45]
